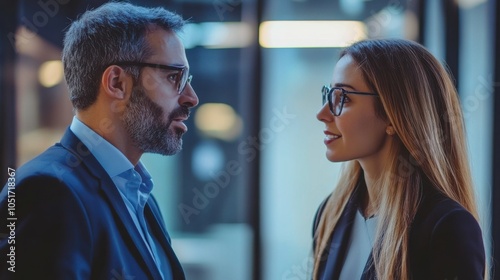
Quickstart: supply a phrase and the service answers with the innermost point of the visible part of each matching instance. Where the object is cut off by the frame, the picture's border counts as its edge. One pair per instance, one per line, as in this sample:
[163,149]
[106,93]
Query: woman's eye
[347,99]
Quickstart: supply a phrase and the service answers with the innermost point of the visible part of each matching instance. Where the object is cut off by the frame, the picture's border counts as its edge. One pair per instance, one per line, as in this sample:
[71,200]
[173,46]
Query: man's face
[156,111]
[145,124]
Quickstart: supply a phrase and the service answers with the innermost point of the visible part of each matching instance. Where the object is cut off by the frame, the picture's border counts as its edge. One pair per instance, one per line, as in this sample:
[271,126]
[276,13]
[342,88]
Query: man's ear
[117,83]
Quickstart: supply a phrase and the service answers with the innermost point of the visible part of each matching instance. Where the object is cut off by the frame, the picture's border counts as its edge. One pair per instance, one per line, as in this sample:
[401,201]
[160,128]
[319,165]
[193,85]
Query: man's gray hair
[111,33]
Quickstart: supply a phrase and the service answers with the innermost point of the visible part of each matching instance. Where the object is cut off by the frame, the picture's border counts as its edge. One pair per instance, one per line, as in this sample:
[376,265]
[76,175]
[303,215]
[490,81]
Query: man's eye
[347,99]
[174,77]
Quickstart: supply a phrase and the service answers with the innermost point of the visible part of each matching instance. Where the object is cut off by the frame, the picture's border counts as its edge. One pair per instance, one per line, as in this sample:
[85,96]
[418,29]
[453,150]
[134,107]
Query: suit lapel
[130,229]
[73,144]
[337,248]
[154,220]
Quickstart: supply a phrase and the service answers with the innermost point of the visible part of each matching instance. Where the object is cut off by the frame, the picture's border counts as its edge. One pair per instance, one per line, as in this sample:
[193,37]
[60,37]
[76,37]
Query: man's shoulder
[56,164]
[52,161]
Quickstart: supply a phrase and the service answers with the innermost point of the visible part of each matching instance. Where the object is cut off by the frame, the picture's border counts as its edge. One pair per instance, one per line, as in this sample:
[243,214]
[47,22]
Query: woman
[404,207]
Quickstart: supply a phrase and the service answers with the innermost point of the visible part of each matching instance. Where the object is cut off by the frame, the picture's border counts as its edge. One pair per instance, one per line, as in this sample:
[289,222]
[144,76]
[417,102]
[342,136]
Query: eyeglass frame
[181,69]
[326,93]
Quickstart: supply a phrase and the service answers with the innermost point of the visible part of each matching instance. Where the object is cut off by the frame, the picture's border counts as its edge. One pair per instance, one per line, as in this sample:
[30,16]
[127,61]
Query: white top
[359,247]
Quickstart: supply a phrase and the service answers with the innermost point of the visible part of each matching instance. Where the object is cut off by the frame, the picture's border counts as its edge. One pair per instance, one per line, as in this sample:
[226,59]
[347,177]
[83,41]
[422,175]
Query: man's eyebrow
[179,65]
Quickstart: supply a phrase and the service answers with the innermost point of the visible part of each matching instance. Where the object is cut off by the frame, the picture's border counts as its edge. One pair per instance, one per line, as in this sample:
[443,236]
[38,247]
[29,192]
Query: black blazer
[445,241]
[72,222]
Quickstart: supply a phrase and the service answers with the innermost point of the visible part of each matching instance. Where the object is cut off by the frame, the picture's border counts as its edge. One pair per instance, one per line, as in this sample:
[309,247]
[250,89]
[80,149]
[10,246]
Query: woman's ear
[116,83]
[390,130]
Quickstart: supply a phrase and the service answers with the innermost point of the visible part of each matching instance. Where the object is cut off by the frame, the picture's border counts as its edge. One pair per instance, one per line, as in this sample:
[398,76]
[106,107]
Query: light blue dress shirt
[133,183]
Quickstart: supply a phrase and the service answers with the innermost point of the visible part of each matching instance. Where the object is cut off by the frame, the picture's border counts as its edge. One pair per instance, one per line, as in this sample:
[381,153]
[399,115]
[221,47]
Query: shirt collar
[111,159]
[135,183]
[147,184]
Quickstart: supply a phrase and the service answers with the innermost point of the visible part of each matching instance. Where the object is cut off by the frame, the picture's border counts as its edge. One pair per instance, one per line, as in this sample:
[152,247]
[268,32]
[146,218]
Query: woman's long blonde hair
[419,99]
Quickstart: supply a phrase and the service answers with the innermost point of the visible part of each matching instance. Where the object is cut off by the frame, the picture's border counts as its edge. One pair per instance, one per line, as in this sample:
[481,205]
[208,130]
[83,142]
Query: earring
[390,131]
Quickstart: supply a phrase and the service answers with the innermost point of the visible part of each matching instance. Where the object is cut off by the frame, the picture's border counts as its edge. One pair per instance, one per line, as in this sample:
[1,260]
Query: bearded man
[84,208]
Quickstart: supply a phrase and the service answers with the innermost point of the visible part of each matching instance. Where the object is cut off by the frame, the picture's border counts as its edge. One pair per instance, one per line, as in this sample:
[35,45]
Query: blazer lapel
[131,230]
[72,143]
[337,248]
[153,218]
[369,271]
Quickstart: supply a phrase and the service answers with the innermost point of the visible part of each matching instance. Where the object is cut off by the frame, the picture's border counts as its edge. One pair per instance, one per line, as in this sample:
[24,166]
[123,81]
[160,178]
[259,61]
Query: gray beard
[144,124]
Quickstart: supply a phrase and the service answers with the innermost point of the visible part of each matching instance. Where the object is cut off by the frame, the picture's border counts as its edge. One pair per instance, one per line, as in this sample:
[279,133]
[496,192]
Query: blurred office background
[239,200]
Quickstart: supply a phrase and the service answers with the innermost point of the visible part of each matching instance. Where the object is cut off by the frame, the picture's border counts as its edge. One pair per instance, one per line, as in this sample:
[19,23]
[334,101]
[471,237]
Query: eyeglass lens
[334,99]
[183,80]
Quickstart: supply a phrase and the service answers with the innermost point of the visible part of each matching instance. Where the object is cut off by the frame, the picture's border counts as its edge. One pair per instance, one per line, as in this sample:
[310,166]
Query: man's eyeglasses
[183,78]
[336,97]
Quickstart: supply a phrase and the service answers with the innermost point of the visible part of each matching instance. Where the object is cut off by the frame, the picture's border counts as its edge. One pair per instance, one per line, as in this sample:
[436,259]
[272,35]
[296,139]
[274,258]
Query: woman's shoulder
[435,210]
[445,240]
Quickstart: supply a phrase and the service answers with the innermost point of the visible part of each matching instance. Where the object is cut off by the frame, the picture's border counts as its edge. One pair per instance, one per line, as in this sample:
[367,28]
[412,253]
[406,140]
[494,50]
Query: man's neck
[111,129]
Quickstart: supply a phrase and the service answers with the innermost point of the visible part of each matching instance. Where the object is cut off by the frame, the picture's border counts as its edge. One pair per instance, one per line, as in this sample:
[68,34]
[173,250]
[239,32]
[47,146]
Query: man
[83,208]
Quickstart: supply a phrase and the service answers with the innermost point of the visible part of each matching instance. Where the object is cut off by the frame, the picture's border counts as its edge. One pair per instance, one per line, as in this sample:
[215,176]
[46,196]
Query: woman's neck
[369,200]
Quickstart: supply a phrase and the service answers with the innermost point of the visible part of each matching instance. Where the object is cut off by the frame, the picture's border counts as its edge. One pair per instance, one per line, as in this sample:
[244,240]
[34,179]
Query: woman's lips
[330,137]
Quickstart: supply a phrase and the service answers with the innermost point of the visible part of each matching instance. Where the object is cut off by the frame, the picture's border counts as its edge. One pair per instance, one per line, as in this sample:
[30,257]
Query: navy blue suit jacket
[72,222]
[445,241]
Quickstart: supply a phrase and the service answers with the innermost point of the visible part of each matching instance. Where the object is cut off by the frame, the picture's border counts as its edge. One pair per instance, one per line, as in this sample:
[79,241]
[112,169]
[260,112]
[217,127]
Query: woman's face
[358,133]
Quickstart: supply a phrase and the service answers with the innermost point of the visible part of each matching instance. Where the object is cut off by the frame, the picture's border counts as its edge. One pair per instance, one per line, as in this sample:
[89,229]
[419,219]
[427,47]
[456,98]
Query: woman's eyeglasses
[336,97]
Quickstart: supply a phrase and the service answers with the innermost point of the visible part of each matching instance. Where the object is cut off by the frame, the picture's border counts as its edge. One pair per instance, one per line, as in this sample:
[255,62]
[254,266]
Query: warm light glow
[310,34]
[50,73]
[218,35]
[218,120]
[468,4]
[227,35]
